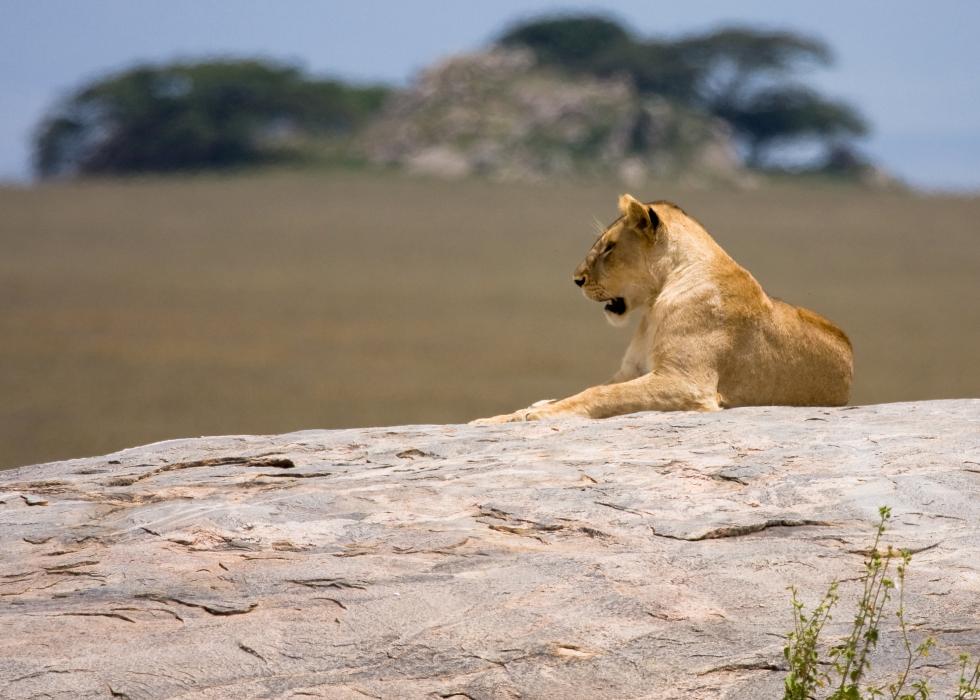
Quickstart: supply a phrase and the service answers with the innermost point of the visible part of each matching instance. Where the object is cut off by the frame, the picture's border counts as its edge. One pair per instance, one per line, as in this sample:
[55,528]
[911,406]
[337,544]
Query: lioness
[709,337]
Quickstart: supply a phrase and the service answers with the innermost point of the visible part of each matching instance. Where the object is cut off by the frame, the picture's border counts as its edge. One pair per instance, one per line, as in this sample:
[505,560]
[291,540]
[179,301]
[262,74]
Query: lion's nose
[579,281]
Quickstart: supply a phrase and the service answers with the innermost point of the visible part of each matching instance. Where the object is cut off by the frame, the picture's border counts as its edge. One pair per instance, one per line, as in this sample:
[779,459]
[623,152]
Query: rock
[499,114]
[441,161]
[640,556]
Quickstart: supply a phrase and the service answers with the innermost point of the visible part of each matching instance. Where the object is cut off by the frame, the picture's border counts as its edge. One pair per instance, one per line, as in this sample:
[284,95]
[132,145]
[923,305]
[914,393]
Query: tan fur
[708,338]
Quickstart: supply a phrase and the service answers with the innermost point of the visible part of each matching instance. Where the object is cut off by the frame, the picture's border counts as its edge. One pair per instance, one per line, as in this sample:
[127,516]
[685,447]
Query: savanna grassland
[145,309]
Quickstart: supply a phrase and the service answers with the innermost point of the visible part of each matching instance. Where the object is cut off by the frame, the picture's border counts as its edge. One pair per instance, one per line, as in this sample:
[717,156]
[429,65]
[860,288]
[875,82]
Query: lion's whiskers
[599,227]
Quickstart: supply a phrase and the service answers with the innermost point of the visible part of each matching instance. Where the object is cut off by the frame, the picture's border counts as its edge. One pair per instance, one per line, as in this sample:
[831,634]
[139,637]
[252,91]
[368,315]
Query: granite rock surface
[645,556]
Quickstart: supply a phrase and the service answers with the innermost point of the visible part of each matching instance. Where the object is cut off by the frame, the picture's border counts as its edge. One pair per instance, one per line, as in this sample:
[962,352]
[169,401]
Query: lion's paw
[515,417]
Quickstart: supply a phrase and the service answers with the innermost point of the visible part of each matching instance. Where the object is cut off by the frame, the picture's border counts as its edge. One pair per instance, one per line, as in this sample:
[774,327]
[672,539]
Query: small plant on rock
[849,662]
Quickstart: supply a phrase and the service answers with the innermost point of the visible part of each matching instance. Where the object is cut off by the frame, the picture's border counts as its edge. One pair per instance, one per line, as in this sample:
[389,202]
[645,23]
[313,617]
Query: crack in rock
[412,453]
[34,500]
[118,616]
[911,550]
[219,609]
[36,674]
[741,530]
[329,583]
[746,666]
[616,506]
[256,461]
[249,650]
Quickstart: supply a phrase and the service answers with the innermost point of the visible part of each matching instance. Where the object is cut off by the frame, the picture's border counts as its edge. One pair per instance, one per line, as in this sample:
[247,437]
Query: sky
[911,67]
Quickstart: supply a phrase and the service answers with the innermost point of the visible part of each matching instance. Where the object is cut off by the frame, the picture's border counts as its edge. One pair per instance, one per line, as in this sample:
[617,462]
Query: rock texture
[499,114]
[641,556]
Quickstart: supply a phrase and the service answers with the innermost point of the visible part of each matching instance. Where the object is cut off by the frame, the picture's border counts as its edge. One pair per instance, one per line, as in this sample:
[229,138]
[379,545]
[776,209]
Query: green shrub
[843,673]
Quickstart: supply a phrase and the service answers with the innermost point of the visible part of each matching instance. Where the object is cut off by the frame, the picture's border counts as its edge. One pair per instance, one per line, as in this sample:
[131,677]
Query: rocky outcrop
[499,114]
[640,556]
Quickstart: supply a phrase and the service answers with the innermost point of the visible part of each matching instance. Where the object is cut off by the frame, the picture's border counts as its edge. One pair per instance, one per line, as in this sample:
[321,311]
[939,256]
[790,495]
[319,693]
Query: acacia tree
[747,77]
[191,115]
[774,116]
[736,61]
[600,46]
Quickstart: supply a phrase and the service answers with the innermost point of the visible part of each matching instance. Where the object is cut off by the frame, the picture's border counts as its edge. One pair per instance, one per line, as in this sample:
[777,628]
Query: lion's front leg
[651,392]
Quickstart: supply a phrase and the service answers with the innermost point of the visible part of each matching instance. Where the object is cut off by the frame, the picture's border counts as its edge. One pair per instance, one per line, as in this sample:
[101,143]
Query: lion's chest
[639,354]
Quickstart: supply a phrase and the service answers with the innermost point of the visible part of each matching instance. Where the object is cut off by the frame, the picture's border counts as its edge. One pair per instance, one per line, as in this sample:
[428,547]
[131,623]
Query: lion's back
[794,357]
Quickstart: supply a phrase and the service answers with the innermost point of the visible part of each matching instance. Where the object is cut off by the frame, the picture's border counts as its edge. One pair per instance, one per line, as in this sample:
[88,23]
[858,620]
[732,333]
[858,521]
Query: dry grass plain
[146,309]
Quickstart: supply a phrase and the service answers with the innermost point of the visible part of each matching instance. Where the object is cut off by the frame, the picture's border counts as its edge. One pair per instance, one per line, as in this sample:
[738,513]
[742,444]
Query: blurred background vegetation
[237,246]
[182,116]
[221,113]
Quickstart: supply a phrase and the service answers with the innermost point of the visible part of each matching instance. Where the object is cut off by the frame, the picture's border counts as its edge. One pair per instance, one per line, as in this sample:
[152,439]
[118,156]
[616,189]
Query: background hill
[504,115]
[562,95]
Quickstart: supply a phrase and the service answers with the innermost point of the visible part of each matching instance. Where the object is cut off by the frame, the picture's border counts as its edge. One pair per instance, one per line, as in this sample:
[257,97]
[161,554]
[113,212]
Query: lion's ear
[637,215]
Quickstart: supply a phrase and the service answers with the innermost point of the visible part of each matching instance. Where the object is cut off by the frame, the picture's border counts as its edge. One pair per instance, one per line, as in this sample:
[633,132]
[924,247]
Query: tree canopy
[192,115]
[576,42]
[747,77]
[788,113]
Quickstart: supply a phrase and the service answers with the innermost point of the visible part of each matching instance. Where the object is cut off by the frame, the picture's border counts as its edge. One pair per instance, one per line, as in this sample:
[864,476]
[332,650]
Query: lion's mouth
[616,306]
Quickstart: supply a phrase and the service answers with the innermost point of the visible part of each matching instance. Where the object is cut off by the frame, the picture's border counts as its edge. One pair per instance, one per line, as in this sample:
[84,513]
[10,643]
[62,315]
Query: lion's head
[617,270]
